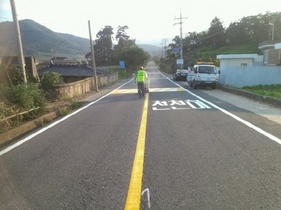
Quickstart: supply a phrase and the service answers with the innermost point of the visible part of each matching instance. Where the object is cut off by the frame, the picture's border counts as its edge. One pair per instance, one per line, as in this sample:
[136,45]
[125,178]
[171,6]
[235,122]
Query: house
[239,70]
[30,64]
[57,60]
[69,72]
[270,52]
[240,60]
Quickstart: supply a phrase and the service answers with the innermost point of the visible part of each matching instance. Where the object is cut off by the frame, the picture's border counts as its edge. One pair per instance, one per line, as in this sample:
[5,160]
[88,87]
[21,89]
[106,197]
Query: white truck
[204,74]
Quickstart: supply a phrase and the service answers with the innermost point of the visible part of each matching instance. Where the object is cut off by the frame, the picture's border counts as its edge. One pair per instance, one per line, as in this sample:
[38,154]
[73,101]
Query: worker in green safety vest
[141,79]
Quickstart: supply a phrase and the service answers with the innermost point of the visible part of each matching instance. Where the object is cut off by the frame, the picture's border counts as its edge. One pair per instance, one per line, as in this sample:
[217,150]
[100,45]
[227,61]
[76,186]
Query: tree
[127,51]
[123,39]
[133,57]
[216,33]
[103,47]
[172,46]
[235,34]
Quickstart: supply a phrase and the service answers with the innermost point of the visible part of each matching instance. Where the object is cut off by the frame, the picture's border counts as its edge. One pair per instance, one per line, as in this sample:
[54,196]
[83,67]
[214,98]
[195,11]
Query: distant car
[180,74]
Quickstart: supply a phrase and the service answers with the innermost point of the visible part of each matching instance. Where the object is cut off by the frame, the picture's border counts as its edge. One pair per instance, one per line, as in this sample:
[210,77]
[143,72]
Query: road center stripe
[134,192]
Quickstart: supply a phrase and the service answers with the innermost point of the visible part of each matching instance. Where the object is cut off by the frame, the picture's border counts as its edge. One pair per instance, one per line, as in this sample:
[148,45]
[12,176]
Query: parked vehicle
[205,74]
[180,74]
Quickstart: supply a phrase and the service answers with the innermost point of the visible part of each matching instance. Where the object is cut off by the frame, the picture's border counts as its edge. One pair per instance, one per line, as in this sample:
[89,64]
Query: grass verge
[265,90]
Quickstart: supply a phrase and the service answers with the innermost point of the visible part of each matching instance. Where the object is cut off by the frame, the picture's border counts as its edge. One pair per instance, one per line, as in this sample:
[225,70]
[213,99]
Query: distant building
[30,64]
[71,72]
[57,60]
[240,60]
[270,52]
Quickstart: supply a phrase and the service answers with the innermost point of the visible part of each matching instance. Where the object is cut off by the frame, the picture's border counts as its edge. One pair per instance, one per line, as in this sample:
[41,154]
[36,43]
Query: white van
[205,74]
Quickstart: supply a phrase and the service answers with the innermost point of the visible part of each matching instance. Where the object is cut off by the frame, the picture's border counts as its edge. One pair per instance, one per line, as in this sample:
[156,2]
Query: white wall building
[239,70]
[240,60]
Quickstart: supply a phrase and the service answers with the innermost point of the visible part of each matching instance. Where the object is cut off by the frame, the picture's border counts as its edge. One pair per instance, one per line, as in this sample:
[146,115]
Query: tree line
[106,53]
[250,30]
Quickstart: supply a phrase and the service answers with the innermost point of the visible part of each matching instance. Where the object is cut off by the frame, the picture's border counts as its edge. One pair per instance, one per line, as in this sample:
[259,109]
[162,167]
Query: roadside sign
[122,64]
[175,50]
[179,61]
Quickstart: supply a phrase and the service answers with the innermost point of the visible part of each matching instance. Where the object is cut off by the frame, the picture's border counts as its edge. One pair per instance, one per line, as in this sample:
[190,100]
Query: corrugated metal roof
[68,70]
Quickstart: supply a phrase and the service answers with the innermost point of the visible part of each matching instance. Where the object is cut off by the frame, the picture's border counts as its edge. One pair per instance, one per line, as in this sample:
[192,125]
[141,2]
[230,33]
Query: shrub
[5,93]
[10,75]
[50,80]
[28,96]
[6,111]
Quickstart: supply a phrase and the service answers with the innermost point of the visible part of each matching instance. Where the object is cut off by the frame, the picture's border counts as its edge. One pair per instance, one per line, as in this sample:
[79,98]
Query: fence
[82,87]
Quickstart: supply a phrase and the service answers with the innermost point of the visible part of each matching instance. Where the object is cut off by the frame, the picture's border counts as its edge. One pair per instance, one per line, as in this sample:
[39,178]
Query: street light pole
[19,43]
[272,29]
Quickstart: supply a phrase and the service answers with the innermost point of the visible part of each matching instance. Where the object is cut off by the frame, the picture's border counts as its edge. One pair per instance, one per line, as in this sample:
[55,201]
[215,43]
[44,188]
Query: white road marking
[160,103]
[162,109]
[172,103]
[177,108]
[121,91]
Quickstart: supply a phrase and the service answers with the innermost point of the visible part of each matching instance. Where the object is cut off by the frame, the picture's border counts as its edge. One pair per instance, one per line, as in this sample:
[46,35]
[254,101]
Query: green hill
[39,41]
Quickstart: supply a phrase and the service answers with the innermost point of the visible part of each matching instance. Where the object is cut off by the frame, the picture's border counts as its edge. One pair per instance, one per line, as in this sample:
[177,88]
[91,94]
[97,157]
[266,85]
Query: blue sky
[148,20]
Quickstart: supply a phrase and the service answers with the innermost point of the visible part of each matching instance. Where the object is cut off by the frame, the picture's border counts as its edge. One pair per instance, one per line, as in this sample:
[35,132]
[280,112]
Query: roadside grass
[238,49]
[266,90]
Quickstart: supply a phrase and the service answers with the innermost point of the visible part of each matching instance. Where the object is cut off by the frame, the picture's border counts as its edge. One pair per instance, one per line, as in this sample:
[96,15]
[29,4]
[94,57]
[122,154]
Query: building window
[243,64]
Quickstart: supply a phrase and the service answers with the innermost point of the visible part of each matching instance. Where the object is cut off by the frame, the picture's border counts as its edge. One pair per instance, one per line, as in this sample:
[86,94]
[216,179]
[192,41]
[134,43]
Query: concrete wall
[82,87]
[240,76]
[237,62]
[274,57]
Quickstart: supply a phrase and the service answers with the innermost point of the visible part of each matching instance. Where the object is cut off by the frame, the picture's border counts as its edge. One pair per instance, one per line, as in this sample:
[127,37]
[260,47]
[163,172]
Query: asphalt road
[200,151]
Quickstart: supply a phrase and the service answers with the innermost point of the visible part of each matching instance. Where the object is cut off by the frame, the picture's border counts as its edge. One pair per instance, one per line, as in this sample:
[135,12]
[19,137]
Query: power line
[70,37]
[5,18]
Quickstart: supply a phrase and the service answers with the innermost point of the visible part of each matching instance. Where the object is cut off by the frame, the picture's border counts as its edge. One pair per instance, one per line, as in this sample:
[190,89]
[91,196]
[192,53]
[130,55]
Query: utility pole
[163,48]
[180,22]
[93,58]
[19,43]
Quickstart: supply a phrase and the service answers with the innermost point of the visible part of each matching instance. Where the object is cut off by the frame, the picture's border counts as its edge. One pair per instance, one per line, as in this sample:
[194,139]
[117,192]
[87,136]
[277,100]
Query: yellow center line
[134,192]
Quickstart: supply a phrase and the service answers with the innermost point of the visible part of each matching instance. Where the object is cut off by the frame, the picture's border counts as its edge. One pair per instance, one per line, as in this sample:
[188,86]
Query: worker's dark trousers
[141,89]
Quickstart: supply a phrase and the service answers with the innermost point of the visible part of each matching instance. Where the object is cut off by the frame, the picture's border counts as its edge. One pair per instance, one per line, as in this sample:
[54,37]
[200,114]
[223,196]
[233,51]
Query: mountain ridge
[41,42]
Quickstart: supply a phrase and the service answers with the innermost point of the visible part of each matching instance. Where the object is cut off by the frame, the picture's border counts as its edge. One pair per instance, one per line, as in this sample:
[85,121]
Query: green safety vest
[141,76]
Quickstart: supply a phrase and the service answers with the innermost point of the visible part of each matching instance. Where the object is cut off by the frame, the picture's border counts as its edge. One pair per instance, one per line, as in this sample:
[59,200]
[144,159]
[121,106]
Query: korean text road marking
[179,105]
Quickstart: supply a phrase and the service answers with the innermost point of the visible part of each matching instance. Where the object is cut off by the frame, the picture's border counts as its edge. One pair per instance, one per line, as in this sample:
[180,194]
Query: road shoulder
[268,111]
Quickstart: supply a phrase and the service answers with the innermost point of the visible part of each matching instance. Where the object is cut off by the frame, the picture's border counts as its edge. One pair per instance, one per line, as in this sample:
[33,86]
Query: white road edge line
[56,122]
[270,136]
